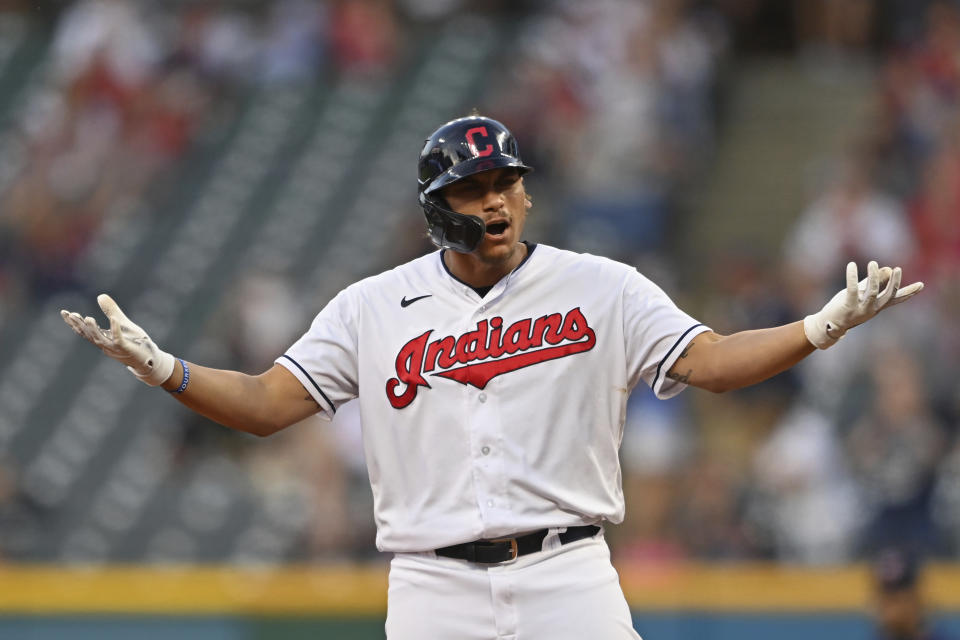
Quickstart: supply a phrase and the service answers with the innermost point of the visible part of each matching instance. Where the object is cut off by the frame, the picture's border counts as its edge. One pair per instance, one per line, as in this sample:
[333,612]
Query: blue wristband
[186,377]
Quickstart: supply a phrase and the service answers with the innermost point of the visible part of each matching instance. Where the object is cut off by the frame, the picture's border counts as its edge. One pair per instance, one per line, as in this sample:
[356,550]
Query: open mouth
[497,228]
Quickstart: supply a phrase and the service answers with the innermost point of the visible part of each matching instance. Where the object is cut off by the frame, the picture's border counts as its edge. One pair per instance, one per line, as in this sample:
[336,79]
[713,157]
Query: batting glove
[124,342]
[857,303]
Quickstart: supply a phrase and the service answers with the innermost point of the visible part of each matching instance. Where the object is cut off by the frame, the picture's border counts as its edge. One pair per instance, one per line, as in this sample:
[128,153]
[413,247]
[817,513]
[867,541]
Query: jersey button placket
[488,471]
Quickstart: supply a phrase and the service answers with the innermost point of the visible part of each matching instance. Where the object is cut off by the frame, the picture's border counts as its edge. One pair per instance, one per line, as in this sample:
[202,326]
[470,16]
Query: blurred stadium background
[223,167]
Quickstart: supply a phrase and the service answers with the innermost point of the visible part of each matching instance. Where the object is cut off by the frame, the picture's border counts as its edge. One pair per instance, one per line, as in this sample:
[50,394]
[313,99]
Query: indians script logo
[487,351]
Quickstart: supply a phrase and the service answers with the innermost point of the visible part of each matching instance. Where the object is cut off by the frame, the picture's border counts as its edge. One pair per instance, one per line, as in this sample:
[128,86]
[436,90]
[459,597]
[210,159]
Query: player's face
[499,199]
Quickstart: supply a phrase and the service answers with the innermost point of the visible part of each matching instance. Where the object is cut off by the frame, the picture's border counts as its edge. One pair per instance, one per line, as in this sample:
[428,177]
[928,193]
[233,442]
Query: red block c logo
[473,145]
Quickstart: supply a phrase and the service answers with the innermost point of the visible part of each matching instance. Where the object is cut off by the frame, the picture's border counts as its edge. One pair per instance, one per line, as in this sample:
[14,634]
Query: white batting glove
[124,342]
[857,303]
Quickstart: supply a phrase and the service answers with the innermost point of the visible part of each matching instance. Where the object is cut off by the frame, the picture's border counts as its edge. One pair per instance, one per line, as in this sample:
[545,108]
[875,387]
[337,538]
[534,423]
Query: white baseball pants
[565,592]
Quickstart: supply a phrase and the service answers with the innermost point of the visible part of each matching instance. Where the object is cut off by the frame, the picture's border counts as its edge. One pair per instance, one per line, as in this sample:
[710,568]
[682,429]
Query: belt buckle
[513,549]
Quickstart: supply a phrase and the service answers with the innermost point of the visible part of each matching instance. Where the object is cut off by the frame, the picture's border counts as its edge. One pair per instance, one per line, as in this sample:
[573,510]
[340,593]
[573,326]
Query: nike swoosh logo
[406,303]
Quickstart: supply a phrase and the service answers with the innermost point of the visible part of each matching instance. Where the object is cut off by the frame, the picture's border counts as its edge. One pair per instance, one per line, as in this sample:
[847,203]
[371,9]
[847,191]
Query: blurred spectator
[226,42]
[852,220]
[301,485]
[426,10]
[831,31]
[935,214]
[114,116]
[657,441]
[900,610]
[894,450]
[264,317]
[921,88]
[364,36]
[804,494]
[347,444]
[749,295]
[709,493]
[630,88]
[294,41]
[20,516]
[117,34]
[946,500]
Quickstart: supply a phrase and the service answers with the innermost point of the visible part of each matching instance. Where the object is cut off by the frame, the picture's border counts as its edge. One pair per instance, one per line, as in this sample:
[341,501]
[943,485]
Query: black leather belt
[507,549]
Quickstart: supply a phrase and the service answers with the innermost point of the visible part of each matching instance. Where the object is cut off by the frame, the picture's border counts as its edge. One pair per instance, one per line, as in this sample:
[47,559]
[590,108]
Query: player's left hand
[856,304]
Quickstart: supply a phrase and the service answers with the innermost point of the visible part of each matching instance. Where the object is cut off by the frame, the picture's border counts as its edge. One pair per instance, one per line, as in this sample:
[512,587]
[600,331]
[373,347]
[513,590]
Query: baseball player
[492,377]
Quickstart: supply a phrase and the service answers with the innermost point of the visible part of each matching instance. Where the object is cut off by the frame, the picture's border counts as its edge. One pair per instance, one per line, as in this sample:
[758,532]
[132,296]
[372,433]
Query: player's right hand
[856,304]
[124,341]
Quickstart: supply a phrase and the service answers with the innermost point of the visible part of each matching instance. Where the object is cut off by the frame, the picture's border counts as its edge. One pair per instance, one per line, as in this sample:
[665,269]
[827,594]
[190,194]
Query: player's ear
[529,199]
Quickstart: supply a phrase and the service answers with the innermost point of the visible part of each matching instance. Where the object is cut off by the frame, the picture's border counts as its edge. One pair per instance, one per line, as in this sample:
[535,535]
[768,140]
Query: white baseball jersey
[489,416]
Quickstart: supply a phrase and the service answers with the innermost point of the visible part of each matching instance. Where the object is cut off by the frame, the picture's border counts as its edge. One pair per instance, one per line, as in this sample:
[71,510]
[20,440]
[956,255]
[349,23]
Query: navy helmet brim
[472,166]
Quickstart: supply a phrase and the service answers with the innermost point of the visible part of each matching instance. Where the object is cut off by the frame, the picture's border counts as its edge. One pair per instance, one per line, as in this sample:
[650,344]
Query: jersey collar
[531,246]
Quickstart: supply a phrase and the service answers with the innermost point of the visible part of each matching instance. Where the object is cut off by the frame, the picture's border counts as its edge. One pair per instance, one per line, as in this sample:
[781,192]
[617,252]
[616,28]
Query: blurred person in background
[708,508]
[852,215]
[935,216]
[900,611]
[363,36]
[894,449]
[20,517]
[851,219]
[946,501]
[630,87]
[803,499]
[918,93]
[657,441]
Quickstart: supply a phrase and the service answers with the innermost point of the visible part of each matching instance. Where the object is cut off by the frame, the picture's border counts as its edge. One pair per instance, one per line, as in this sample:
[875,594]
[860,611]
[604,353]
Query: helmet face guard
[449,229]
[458,149]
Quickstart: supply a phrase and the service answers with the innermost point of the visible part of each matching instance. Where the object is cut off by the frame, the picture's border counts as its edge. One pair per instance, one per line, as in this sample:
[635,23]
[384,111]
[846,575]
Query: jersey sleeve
[656,332]
[325,359]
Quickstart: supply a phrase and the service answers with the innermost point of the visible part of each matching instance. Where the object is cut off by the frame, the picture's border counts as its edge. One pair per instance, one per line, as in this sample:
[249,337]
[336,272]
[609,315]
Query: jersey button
[485,451]
[489,503]
[482,397]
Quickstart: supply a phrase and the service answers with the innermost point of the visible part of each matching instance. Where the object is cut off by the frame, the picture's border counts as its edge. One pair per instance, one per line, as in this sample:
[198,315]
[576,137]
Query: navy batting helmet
[458,149]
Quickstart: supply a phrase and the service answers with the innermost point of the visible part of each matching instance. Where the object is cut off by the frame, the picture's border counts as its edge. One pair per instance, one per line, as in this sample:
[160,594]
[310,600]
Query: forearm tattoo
[682,377]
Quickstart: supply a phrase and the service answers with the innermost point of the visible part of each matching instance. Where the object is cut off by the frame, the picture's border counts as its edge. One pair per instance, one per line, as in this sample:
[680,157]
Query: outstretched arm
[260,405]
[723,363]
